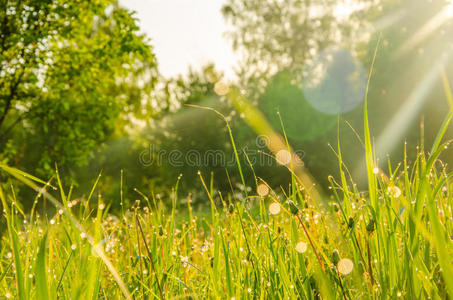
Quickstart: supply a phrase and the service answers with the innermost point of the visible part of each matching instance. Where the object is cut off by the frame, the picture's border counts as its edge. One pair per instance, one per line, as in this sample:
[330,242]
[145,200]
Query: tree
[71,72]
[283,35]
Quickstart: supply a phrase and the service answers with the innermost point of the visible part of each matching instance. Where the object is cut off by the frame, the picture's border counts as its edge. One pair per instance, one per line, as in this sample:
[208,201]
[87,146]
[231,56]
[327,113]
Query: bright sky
[185,33]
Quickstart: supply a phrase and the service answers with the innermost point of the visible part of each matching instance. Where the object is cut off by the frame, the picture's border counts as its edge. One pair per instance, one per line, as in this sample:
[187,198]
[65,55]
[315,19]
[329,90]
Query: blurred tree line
[80,86]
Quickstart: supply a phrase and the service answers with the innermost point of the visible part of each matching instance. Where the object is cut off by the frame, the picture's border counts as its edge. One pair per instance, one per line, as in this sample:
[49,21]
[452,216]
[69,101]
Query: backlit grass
[392,240]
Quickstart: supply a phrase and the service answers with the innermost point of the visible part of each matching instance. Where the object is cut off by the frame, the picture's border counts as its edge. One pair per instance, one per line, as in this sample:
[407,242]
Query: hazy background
[108,88]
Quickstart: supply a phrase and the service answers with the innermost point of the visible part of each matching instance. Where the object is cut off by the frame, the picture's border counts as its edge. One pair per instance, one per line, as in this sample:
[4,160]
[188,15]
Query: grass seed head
[335,257]
[293,208]
[370,225]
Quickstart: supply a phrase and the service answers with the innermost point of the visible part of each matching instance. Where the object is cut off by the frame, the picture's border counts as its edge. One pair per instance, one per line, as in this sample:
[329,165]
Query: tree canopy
[70,73]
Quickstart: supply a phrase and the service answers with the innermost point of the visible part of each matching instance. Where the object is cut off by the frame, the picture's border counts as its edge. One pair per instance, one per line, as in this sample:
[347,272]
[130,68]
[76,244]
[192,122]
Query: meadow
[142,157]
[391,241]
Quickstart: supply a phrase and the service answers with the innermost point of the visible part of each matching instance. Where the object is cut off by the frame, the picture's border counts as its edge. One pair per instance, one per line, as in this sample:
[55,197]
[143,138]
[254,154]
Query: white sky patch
[185,33]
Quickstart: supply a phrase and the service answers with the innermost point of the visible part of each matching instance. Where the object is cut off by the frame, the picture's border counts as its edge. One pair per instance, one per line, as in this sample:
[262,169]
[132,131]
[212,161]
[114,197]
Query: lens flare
[335,81]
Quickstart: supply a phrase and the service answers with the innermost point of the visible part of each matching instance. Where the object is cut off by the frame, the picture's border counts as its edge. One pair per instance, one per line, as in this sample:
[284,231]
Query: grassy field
[393,240]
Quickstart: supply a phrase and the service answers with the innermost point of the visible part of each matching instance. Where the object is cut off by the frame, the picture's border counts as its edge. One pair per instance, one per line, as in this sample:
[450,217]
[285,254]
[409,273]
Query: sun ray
[426,30]
[394,131]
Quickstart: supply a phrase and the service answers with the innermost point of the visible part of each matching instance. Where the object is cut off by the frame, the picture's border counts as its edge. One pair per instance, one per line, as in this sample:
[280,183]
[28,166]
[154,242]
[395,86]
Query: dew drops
[375,171]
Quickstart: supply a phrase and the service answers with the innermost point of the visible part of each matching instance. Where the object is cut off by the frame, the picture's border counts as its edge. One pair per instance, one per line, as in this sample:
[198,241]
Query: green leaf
[42,290]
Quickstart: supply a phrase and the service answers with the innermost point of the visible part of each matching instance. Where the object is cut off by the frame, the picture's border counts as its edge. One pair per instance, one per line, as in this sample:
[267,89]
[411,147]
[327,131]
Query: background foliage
[80,87]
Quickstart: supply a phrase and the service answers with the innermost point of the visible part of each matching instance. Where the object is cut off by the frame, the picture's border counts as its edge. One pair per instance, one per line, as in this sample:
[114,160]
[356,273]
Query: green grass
[397,234]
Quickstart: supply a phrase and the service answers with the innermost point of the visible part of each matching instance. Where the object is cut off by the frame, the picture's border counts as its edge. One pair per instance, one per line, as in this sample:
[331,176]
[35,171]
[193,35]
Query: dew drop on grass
[345,266]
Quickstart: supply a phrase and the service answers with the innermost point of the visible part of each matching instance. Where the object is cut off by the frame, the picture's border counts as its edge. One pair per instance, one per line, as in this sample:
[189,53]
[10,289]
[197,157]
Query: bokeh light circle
[345,266]
[335,81]
[274,208]
[262,190]
[301,247]
[283,157]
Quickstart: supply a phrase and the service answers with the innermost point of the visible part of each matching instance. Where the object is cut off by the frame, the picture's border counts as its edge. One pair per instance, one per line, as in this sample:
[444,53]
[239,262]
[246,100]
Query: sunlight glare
[426,30]
[346,8]
[401,120]
[449,9]
[342,11]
